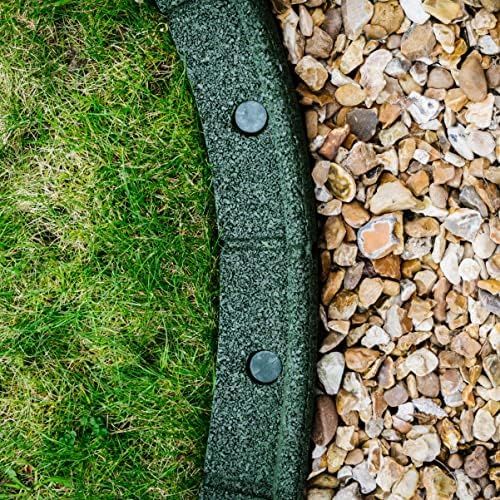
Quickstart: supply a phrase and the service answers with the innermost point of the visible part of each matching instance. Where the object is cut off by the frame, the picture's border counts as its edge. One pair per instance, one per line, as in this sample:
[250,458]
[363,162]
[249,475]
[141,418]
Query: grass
[107,256]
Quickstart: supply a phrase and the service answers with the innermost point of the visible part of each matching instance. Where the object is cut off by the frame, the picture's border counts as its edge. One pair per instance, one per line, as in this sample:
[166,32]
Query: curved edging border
[259,434]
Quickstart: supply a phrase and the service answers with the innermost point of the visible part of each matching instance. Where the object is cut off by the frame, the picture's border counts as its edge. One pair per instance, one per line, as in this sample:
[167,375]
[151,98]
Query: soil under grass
[107,256]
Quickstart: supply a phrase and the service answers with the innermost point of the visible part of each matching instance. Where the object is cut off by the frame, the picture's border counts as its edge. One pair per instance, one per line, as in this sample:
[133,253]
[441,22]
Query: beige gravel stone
[444,10]
[312,72]
[389,15]
[392,196]
[418,41]
[369,291]
[320,44]
[350,95]
[334,232]
[438,485]
[472,79]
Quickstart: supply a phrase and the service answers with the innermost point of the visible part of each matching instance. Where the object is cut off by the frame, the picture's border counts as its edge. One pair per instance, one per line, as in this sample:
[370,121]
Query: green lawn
[107,256]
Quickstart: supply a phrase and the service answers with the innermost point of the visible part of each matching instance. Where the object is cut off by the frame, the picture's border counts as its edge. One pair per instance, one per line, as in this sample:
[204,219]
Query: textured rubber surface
[259,434]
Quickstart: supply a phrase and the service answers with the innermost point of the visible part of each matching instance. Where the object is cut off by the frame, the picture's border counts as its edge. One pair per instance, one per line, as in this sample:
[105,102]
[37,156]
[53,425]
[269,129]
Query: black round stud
[264,367]
[250,117]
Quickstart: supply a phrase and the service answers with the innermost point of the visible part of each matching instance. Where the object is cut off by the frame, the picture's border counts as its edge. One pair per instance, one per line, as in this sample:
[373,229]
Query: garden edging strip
[259,434]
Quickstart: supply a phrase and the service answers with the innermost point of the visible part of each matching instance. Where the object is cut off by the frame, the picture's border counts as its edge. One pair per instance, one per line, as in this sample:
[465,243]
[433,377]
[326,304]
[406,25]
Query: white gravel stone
[414,11]
[330,371]
[469,270]
[458,139]
[464,223]
[375,336]
[480,142]
[450,262]
[372,74]
[483,427]
[421,362]
[423,109]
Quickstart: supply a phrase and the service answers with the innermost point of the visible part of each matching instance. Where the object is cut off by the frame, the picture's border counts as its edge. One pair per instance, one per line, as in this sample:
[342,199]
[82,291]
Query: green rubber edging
[259,437]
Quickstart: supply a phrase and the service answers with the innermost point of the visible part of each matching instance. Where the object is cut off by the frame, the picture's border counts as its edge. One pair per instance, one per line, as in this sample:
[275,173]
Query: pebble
[372,74]
[392,196]
[389,15]
[422,227]
[320,44]
[352,57]
[359,359]
[464,223]
[445,35]
[363,123]
[306,22]
[438,485]
[388,266]
[418,41]
[455,461]
[428,385]
[480,142]
[333,141]
[464,345]
[444,10]
[334,232]
[332,22]
[355,14]
[343,306]
[482,245]
[390,136]
[422,448]
[440,78]
[479,114]
[428,407]
[319,494]
[458,139]
[369,291]
[423,109]
[488,45]
[312,72]
[407,485]
[467,489]
[375,336]
[354,214]
[364,478]
[346,254]
[484,426]
[396,396]
[469,198]
[325,420]
[361,159]
[377,238]
[476,463]
[472,79]
[421,362]
[469,270]
[350,95]
[490,302]
[350,492]
[414,11]
[330,371]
